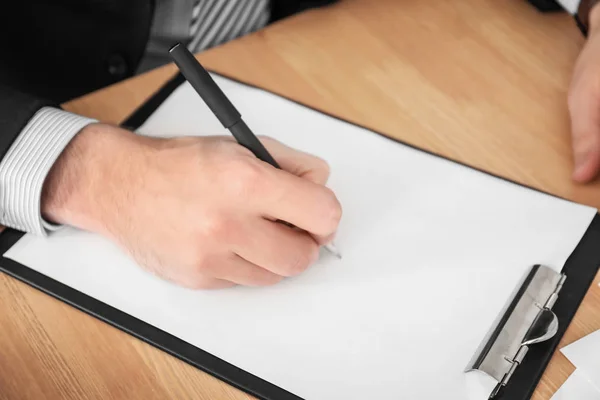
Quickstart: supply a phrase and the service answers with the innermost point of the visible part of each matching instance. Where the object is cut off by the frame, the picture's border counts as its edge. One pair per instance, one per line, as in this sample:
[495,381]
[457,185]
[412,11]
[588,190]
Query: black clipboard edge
[137,328]
[521,386]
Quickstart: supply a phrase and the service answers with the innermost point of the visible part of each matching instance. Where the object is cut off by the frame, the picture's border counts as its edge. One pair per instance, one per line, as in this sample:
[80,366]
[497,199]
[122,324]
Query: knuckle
[218,227]
[301,260]
[243,176]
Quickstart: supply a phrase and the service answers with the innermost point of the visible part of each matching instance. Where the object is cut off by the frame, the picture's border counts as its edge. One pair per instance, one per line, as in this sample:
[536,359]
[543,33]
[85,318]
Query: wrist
[89,182]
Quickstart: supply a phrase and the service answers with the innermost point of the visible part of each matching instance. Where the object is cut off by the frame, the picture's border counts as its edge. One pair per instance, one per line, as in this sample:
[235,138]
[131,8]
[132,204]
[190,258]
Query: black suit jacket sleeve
[16,109]
[52,51]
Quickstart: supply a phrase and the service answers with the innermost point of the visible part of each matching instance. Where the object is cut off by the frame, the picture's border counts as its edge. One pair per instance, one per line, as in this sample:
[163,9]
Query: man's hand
[199,212]
[584,104]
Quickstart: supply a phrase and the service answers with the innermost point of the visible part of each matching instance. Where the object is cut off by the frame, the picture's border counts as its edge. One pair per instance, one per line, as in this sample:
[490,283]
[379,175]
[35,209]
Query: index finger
[305,204]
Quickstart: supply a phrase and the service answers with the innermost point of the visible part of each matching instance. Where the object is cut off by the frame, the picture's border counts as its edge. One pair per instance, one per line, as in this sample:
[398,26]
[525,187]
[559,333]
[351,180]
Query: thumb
[585,133]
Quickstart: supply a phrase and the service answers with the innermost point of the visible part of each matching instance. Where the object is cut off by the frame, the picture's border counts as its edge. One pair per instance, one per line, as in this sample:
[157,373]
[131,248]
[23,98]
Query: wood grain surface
[480,81]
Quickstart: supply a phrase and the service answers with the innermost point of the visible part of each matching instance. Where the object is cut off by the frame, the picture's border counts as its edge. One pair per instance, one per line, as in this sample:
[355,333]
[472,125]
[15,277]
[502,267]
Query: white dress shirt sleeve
[570,6]
[25,167]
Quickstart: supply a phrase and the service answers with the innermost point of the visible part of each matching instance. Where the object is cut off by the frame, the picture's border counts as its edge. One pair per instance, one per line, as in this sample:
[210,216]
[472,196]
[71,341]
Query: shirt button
[117,66]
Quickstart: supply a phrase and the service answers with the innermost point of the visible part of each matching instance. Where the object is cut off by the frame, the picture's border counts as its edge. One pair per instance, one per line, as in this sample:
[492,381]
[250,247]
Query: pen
[223,109]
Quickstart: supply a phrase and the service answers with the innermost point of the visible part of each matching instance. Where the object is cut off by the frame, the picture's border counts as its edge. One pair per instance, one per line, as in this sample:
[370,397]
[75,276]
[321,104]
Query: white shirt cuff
[570,6]
[24,168]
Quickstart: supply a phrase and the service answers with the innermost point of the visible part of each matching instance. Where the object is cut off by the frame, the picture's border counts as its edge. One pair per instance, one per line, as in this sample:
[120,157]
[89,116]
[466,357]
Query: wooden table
[480,81]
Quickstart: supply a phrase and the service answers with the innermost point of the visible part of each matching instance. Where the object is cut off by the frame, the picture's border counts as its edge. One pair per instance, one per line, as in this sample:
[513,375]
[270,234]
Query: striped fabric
[25,166]
[201,24]
[217,21]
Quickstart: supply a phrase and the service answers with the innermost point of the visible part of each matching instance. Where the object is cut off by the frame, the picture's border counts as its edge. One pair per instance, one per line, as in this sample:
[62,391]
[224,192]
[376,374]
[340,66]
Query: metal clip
[526,319]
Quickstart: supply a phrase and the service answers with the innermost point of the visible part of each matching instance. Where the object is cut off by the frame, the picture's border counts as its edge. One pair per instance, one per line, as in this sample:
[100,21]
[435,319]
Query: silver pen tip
[333,250]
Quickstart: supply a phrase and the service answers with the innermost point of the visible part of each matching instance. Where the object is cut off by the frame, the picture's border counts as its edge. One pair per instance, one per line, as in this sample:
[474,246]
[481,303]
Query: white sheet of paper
[577,387]
[431,252]
[585,355]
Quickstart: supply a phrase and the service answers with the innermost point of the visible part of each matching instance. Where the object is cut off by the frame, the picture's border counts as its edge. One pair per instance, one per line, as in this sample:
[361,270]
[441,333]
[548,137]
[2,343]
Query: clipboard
[516,367]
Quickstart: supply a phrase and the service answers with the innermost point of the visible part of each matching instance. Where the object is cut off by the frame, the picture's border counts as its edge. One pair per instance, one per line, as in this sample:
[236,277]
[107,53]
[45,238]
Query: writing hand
[199,212]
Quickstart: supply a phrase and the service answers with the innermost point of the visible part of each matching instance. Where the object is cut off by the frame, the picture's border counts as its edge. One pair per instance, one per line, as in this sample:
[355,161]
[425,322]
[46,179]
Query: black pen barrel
[218,103]
[246,138]
[205,86]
